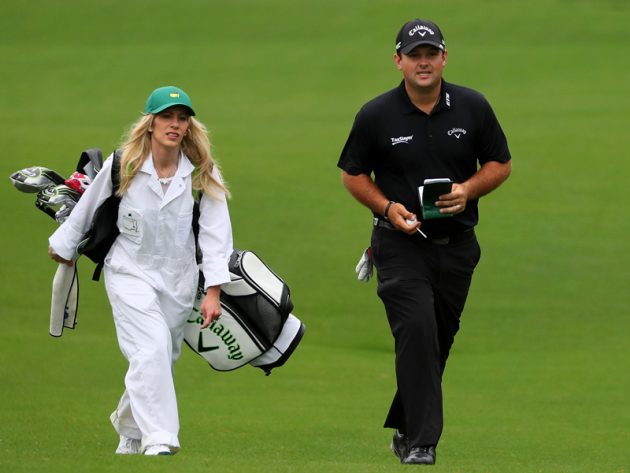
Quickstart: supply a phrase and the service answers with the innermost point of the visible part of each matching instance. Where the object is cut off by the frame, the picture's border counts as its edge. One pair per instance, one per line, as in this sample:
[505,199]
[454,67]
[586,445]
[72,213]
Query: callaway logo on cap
[417,32]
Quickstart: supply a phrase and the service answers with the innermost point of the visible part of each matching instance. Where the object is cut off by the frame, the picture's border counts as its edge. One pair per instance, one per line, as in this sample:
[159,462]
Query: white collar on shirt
[184,167]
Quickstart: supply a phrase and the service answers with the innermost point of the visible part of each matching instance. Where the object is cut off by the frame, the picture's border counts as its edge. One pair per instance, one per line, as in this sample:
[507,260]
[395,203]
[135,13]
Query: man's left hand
[455,201]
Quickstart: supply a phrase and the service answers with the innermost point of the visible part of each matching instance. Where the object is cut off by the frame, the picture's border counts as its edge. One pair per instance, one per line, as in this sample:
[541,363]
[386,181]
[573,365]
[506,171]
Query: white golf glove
[365,266]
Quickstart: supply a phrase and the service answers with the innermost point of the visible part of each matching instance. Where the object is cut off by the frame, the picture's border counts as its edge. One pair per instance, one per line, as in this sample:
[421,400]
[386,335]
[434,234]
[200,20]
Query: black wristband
[389,204]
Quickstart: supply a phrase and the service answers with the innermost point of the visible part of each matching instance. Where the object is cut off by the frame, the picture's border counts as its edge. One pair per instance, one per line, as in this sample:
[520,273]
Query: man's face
[422,67]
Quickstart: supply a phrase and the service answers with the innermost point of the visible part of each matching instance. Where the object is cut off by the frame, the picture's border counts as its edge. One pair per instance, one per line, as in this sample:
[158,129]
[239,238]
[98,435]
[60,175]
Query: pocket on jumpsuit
[130,224]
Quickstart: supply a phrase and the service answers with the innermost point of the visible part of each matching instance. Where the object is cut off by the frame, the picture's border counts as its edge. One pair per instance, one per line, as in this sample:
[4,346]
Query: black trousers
[423,286]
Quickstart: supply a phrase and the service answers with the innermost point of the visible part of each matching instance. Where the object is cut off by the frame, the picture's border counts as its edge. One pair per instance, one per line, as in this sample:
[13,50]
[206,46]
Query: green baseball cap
[165,97]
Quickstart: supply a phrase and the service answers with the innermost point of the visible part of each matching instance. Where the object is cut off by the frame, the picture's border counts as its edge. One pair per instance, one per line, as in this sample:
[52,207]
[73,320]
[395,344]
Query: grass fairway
[538,379]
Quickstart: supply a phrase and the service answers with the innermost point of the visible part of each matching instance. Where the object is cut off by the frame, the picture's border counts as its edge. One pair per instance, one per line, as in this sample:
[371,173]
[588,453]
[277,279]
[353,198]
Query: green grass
[538,379]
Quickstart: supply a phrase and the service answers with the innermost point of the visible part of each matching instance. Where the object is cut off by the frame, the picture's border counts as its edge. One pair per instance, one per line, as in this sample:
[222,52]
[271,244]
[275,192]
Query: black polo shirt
[402,146]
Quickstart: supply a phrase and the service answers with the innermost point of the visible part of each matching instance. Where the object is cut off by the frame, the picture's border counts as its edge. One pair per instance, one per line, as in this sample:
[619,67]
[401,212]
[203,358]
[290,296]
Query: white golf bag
[256,325]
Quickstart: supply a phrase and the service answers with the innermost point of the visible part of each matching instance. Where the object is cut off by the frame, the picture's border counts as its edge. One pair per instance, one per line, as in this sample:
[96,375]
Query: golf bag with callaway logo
[256,324]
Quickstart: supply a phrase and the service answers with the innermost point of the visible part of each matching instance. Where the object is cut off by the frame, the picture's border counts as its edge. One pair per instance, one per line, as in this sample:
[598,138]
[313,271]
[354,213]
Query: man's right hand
[398,216]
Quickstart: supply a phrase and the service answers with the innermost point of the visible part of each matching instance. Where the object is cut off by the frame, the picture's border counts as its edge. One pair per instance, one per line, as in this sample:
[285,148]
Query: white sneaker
[158,450]
[128,446]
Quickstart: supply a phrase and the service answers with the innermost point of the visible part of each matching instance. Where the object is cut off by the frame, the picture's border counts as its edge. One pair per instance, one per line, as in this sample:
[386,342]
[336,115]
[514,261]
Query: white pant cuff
[161,438]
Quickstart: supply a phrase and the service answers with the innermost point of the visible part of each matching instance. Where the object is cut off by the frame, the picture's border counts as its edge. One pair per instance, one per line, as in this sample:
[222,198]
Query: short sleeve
[215,236]
[492,144]
[357,156]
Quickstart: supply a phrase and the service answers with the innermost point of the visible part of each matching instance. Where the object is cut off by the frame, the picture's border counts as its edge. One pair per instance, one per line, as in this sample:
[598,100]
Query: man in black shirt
[424,129]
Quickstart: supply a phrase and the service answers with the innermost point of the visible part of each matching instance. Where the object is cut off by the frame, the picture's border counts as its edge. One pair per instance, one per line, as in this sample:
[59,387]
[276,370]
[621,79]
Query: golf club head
[53,198]
[35,179]
[64,212]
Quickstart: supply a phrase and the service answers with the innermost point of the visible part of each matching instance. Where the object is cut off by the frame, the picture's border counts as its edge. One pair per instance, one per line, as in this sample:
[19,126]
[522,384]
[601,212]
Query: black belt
[436,240]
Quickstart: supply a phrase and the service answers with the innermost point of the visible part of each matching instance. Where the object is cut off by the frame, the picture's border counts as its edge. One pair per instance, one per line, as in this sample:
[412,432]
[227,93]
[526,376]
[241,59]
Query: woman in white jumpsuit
[151,273]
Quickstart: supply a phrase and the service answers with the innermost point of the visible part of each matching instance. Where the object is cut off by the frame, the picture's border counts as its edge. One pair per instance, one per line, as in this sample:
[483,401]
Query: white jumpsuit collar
[184,169]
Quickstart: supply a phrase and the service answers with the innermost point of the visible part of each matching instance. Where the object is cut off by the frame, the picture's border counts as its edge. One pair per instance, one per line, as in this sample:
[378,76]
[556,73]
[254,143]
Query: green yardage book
[430,193]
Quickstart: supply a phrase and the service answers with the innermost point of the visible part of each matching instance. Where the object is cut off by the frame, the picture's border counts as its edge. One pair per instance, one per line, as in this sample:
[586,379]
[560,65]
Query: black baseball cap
[417,32]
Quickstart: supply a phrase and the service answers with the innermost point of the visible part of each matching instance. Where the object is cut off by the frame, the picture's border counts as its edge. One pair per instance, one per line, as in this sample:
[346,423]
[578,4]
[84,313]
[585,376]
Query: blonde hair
[195,145]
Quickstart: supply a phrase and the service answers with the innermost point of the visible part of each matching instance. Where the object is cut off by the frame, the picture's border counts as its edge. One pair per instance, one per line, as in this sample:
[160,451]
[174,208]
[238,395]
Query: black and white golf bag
[256,324]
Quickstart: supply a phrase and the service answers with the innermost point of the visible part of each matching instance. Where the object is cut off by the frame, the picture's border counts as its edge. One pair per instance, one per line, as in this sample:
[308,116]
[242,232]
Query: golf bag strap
[195,225]
[115,176]
[116,170]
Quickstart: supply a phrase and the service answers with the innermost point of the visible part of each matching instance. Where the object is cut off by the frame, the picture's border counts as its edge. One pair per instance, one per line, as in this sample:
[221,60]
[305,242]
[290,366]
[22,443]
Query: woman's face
[170,126]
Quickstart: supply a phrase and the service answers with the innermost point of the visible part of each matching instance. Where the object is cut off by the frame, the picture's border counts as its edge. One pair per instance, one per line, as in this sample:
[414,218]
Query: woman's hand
[211,306]
[58,258]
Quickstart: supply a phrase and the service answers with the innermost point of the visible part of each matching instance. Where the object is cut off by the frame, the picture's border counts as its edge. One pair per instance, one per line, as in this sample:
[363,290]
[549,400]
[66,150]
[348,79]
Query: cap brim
[410,47]
[169,105]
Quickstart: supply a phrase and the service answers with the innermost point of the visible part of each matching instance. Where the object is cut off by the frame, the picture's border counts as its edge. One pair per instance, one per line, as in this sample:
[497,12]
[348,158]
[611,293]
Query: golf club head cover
[52,199]
[79,182]
[64,212]
[35,179]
